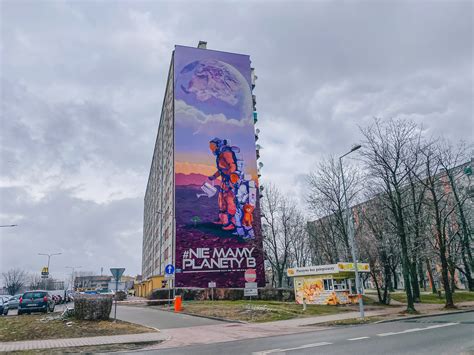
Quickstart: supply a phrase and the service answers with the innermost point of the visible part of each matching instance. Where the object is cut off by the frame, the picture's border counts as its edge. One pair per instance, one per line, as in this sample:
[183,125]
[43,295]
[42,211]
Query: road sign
[250,292]
[169,276]
[211,284]
[169,269]
[250,285]
[45,271]
[117,272]
[250,275]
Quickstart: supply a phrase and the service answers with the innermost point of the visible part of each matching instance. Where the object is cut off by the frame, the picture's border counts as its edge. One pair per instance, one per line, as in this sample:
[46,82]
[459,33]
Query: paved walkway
[73,342]
[155,318]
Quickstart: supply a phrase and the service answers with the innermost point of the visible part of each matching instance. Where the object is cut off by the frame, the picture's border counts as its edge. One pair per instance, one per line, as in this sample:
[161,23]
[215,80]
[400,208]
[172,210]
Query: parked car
[3,306]
[14,301]
[36,301]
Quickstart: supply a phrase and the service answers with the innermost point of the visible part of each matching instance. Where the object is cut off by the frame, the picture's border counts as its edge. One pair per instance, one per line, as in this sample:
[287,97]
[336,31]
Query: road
[449,334]
[155,318]
[57,308]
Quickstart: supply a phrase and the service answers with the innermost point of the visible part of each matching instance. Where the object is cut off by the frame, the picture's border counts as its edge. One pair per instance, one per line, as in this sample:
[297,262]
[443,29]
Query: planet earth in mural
[215,87]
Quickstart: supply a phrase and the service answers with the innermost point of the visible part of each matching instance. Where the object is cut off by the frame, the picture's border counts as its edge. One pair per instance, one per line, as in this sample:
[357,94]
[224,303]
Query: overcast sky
[82,85]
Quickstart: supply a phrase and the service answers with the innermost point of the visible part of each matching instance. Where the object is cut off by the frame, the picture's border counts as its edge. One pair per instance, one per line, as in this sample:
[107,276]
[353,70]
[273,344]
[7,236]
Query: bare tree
[442,208]
[326,199]
[388,156]
[276,244]
[375,238]
[35,281]
[300,245]
[14,280]
[285,235]
[452,160]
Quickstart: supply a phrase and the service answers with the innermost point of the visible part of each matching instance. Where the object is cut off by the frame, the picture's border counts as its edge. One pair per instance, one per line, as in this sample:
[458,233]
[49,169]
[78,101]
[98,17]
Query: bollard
[177,304]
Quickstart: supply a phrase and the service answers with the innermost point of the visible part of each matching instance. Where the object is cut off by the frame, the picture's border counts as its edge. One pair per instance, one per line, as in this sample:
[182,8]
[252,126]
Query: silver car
[14,301]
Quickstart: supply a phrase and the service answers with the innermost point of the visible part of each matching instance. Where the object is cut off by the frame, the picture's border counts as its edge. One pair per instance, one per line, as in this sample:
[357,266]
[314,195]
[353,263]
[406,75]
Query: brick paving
[74,342]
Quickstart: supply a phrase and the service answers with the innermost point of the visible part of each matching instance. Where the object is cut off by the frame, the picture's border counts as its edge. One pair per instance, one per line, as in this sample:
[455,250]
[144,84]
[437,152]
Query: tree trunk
[395,279]
[445,277]
[421,276]
[430,273]
[414,282]
[467,266]
[452,274]
[388,284]
[374,277]
[465,243]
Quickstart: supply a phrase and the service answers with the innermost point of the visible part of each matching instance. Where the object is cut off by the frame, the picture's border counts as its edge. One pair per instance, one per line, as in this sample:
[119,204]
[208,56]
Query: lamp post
[8,225]
[350,232]
[49,257]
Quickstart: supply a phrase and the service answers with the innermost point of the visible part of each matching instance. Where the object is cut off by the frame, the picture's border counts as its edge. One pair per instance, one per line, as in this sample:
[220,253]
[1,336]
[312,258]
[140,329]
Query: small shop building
[326,284]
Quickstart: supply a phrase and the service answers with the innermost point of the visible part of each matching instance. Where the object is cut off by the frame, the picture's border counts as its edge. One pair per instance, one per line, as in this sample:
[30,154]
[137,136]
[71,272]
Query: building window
[328,284]
[340,285]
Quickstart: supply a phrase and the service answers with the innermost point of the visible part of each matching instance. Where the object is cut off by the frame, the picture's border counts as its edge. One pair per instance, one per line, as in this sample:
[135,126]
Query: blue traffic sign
[117,272]
[169,269]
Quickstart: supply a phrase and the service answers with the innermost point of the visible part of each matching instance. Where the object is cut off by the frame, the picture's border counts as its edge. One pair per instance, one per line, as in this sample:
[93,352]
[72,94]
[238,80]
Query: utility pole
[72,274]
[350,232]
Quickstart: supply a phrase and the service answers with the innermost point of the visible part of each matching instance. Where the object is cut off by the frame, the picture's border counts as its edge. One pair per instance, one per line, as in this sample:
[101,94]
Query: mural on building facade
[218,230]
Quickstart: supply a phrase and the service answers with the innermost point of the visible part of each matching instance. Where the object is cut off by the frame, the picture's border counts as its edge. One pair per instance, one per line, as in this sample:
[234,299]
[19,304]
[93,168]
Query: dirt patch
[38,327]
[346,322]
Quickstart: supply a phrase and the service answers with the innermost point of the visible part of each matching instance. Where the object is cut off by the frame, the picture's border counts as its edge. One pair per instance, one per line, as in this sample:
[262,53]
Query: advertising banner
[218,229]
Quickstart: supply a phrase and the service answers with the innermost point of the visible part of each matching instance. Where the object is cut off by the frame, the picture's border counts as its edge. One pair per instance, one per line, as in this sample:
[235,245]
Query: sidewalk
[222,332]
[238,331]
[74,342]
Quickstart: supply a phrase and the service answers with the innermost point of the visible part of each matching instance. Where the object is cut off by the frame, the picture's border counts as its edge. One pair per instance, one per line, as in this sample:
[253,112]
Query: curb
[215,318]
[424,316]
[81,341]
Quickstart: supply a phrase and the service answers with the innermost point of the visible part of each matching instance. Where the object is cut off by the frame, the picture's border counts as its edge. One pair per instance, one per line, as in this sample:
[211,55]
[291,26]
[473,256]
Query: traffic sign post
[169,273]
[117,274]
[212,286]
[250,275]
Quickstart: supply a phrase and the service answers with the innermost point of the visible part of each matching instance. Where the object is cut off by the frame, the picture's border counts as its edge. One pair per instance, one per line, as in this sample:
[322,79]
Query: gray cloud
[82,85]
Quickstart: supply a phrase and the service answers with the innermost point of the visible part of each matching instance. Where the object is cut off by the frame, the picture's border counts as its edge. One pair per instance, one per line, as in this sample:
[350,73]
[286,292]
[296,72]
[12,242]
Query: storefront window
[340,285]
[328,284]
[352,286]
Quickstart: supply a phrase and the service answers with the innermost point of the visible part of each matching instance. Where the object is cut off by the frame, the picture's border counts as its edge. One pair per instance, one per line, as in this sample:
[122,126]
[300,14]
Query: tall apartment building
[158,226]
[201,210]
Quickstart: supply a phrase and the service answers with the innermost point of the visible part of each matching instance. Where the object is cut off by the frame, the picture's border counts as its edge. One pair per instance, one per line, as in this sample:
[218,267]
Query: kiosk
[326,284]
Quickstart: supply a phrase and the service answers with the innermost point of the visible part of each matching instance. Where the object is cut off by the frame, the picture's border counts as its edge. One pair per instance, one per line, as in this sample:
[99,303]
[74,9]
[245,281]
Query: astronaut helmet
[216,145]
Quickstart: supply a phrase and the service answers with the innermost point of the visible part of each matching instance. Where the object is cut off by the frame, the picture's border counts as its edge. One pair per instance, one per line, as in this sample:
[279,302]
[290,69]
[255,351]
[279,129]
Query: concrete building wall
[158,226]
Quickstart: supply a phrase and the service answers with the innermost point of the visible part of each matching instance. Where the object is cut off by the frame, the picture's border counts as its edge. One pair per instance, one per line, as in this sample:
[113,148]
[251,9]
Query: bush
[92,307]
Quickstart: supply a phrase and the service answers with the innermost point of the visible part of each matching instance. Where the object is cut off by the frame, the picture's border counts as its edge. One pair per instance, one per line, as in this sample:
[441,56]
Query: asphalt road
[160,319]
[57,308]
[450,334]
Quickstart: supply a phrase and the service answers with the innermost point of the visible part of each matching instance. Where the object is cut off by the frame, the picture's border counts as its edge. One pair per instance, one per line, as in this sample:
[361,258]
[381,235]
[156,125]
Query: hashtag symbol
[186,254]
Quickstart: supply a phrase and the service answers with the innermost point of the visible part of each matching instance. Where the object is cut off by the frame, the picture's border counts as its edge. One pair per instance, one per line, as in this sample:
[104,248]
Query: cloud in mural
[211,124]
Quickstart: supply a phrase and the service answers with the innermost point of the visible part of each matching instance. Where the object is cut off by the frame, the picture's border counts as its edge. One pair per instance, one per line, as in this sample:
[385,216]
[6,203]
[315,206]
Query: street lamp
[72,274]
[350,232]
[8,225]
[49,257]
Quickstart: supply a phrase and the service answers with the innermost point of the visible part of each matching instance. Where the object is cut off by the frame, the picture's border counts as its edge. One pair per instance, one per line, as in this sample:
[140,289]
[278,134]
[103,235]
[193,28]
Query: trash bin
[177,304]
